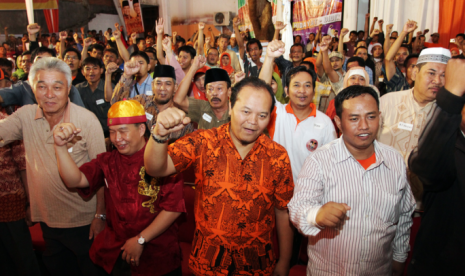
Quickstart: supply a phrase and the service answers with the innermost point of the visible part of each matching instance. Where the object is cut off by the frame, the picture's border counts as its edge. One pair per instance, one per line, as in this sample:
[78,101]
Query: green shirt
[201,112]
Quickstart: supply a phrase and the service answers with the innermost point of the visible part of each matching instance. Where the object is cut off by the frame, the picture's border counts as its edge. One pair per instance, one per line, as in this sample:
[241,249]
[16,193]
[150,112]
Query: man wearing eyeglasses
[72,57]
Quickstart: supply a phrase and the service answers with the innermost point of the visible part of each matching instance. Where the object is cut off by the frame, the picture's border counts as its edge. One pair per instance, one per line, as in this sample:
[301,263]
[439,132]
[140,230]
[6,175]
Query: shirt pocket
[78,149]
[387,205]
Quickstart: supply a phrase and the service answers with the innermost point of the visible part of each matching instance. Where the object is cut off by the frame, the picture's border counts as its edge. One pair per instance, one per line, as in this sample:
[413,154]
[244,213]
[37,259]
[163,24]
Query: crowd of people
[346,143]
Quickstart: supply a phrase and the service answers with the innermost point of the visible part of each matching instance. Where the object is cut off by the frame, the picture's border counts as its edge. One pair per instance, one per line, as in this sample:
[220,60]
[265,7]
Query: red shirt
[235,201]
[126,215]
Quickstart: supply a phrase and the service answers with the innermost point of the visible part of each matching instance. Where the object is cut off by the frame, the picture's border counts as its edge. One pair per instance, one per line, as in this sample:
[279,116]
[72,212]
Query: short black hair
[356,44]
[139,39]
[406,46]
[42,50]
[395,32]
[299,36]
[409,57]
[74,50]
[180,39]
[150,36]
[352,92]
[25,53]
[254,82]
[4,62]
[91,61]
[253,41]
[298,45]
[213,48]
[299,69]
[360,61]
[461,35]
[360,47]
[153,51]
[311,65]
[187,49]
[97,47]
[353,32]
[140,54]
[360,32]
[111,50]
[224,36]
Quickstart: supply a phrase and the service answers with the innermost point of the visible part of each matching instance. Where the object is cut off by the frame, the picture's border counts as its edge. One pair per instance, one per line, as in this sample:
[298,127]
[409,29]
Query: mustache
[215,98]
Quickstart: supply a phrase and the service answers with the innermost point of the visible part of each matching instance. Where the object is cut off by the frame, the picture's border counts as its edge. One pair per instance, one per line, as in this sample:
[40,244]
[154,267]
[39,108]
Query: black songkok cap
[216,74]
[135,1]
[164,71]
[125,4]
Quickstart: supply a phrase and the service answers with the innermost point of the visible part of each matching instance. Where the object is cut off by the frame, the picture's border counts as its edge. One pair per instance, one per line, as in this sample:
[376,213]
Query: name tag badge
[318,126]
[149,93]
[405,126]
[149,116]
[70,150]
[207,117]
[101,101]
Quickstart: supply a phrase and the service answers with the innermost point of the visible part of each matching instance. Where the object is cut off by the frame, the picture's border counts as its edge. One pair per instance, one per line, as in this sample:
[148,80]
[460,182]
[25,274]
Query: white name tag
[318,126]
[149,116]
[207,117]
[149,93]
[70,150]
[101,101]
[405,126]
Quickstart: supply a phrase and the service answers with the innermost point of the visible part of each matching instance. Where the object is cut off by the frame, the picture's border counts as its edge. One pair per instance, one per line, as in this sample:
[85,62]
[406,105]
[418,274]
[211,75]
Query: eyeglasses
[71,58]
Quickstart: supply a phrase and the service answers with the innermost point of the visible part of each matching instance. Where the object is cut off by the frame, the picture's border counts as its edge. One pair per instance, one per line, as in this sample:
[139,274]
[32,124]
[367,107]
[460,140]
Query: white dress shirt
[378,228]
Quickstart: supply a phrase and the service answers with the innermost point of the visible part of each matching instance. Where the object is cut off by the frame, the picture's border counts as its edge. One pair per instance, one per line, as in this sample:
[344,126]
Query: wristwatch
[157,138]
[100,216]
[141,240]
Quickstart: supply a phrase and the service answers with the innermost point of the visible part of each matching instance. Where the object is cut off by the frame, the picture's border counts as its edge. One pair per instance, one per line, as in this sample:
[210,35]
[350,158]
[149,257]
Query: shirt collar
[291,111]
[40,113]
[342,153]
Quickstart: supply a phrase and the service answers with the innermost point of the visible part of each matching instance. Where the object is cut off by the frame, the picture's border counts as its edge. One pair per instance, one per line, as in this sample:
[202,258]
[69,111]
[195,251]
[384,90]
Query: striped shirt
[380,217]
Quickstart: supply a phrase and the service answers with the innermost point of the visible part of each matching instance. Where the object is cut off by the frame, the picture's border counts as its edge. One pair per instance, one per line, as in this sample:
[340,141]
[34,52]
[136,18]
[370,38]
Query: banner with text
[132,16]
[21,4]
[244,16]
[307,15]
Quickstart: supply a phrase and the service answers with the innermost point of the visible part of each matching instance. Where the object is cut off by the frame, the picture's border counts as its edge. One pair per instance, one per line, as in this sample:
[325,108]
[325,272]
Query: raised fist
[111,68]
[201,25]
[375,19]
[199,62]
[389,27]
[325,42]
[170,120]
[275,48]
[380,22]
[239,76]
[166,43]
[279,25]
[344,32]
[410,26]
[87,42]
[33,28]
[131,68]
[63,35]
[236,21]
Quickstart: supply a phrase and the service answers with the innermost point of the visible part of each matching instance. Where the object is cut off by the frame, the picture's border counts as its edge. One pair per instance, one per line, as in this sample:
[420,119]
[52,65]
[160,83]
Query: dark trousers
[67,251]
[122,268]
[16,253]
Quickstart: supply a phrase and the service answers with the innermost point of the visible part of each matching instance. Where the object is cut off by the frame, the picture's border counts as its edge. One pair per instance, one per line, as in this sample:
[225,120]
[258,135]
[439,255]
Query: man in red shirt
[243,184]
[141,210]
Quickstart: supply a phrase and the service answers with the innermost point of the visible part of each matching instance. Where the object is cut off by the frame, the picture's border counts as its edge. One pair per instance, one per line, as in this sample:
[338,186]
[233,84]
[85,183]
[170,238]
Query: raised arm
[367,26]
[123,87]
[200,51]
[375,19]
[275,48]
[410,26]
[159,30]
[212,37]
[63,36]
[85,48]
[239,39]
[32,31]
[168,121]
[387,41]
[318,34]
[180,97]
[175,34]
[69,171]
[124,53]
[111,68]
[340,47]
[333,76]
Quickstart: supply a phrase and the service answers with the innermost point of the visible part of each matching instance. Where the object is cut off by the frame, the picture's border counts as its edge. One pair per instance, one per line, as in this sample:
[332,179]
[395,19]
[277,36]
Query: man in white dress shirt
[352,197]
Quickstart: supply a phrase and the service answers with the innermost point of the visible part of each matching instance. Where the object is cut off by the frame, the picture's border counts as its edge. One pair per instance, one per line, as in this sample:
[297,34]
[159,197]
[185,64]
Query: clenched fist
[170,120]
[64,133]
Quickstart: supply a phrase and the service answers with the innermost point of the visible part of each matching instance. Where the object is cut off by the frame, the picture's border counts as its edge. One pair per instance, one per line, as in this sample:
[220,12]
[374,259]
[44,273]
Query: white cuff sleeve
[311,216]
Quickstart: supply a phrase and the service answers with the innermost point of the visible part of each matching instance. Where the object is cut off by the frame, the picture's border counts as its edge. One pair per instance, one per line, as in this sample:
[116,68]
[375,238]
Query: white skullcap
[359,72]
[436,54]
[233,35]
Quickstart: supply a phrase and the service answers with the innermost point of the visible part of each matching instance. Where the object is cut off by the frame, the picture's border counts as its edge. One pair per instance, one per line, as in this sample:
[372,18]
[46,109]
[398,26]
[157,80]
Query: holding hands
[64,133]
